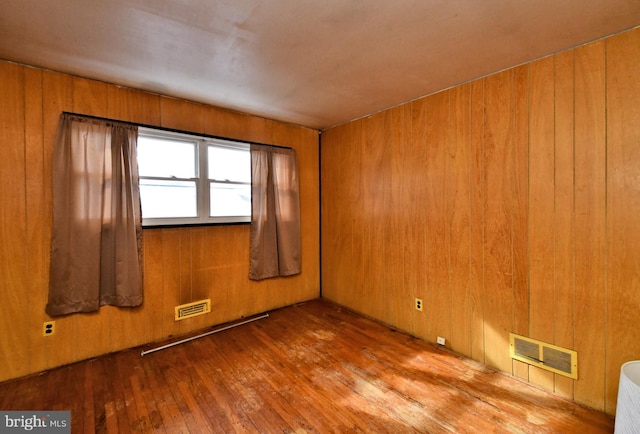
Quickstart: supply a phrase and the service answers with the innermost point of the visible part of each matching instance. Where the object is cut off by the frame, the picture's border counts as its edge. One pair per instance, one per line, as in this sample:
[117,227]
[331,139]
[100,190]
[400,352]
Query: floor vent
[192,309]
[543,355]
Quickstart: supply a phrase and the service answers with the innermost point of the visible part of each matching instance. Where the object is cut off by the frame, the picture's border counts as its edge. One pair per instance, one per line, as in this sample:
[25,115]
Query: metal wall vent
[543,355]
[193,309]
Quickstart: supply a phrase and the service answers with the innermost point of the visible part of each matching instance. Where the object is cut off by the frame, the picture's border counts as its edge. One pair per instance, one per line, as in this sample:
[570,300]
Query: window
[187,179]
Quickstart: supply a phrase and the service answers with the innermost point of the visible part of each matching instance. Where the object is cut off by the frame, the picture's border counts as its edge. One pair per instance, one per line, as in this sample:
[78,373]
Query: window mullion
[203,182]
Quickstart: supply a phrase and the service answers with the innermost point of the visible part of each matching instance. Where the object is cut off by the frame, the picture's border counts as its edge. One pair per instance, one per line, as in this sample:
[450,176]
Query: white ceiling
[313,63]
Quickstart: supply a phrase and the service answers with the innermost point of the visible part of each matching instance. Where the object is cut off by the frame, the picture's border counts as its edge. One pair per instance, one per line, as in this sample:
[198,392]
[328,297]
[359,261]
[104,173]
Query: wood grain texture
[36,206]
[623,208]
[541,210]
[590,221]
[476,211]
[13,217]
[399,129]
[459,218]
[564,223]
[375,180]
[179,262]
[436,302]
[415,194]
[314,368]
[520,227]
[552,205]
[498,221]
[339,254]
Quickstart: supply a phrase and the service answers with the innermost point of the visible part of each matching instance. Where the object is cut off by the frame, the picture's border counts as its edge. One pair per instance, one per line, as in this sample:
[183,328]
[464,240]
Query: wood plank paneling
[415,193]
[520,227]
[476,211]
[623,208]
[375,177]
[178,262]
[459,218]
[399,129]
[550,178]
[152,307]
[564,246]
[182,115]
[339,253]
[13,217]
[541,210]
[36,208]
[498,176]
[590,216]
[240,126]
[436,301]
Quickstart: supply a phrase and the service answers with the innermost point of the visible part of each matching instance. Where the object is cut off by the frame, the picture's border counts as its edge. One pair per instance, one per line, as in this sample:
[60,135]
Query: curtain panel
[96,244]
[275,246]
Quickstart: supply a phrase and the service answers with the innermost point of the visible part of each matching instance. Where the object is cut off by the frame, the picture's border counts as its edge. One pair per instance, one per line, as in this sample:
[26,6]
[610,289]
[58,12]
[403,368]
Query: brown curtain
[96,254]
[275,213]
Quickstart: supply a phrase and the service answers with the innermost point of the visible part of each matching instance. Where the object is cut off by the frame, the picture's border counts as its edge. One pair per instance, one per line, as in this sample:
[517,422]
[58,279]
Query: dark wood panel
[313,367]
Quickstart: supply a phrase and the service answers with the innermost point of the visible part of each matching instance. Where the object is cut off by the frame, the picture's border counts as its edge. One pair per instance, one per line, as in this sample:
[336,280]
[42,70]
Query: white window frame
[202,180]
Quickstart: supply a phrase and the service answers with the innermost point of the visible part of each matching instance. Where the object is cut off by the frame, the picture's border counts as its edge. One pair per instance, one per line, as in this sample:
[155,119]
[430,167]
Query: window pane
[166,158]
[230,200]
[167,199]
[229,164]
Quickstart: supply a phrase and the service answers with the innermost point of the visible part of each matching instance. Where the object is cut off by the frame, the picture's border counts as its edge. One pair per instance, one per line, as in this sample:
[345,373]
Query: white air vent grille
[543,355]
[193,309]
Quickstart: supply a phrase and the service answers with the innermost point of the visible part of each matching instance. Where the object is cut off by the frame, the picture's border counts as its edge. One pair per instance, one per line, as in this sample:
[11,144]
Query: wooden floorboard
[314,367]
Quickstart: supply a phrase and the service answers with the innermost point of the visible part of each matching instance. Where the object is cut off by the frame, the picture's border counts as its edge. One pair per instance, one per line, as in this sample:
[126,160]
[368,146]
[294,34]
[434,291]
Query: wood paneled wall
[181,264]
[508,204]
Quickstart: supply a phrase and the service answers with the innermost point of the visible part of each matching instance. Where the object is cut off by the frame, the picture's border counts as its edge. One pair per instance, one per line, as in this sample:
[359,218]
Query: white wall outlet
[441,340]
[419,304]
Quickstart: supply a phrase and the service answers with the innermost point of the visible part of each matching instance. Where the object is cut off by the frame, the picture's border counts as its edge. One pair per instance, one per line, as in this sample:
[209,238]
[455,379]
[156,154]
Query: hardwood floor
[313,367]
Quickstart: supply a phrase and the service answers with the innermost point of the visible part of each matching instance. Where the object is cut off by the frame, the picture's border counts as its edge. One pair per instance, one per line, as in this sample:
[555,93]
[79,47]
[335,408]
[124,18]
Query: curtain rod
[153,350]
[172,130]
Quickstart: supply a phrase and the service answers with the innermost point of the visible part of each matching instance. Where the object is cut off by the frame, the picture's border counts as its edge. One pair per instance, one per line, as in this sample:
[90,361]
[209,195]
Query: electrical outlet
[48,328]
[441,340]
[419,304]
